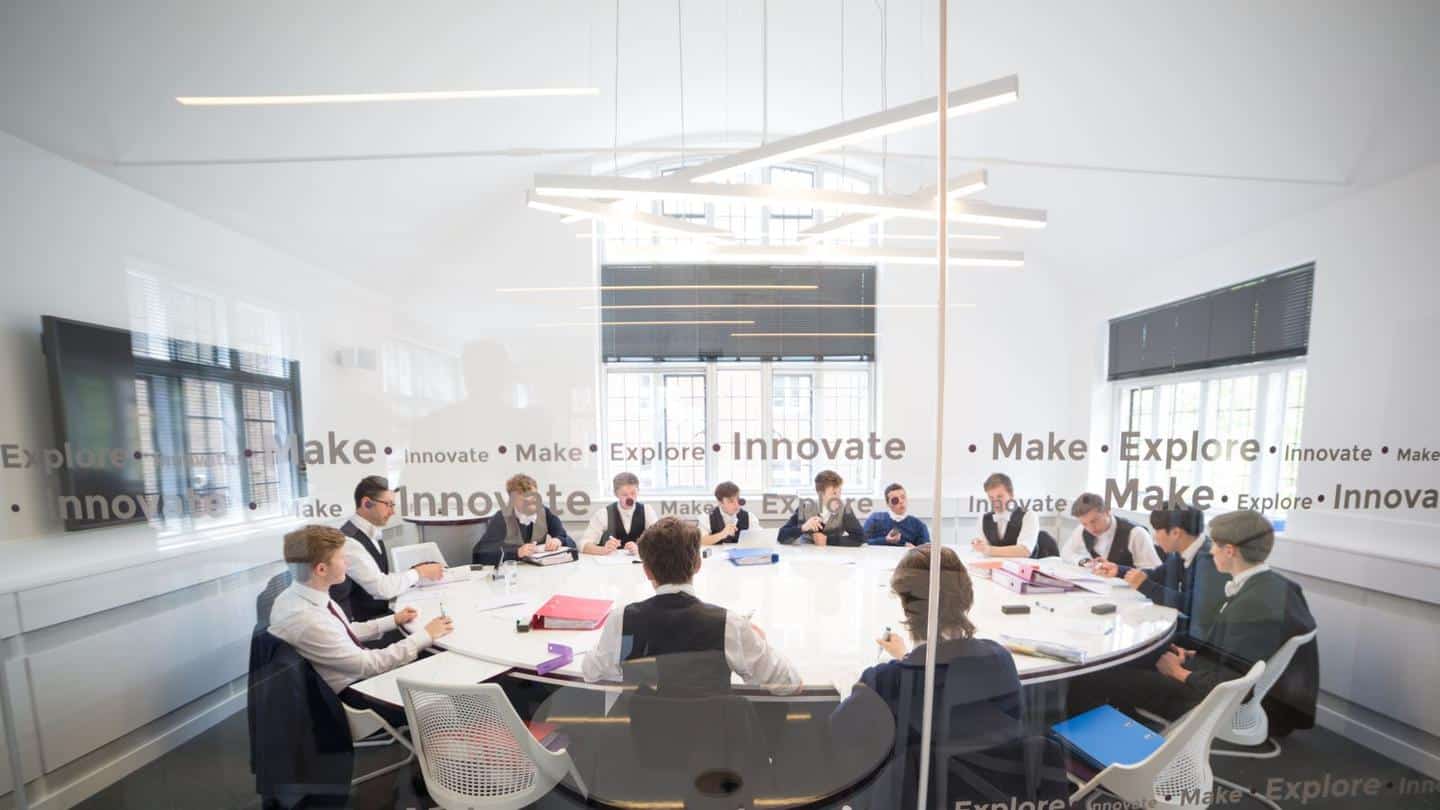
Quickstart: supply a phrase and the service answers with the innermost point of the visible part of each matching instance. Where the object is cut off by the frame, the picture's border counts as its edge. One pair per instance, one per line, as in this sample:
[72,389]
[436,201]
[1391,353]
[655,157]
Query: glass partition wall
[735,405]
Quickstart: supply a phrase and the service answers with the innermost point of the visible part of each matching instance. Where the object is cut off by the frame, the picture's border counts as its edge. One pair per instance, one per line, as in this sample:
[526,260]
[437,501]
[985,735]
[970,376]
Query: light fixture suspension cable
[680,47]
[615,118]
[764,72]
[843,169]
[884,90]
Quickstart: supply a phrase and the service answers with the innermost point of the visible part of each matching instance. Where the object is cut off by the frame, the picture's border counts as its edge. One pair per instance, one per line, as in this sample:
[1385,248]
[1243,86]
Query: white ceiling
[1146,129]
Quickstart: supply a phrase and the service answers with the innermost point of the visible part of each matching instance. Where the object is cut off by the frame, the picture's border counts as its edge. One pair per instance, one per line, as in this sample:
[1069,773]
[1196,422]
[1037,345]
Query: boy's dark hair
[891,489]
[826,479]
[670,549]
[1185,518]
[370,487]
[1085,504]
[726,489]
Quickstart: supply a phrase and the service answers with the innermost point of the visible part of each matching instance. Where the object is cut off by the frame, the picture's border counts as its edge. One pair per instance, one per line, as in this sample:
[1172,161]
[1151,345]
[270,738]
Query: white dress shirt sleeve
[755,660]
[602,663]
[368,576]
[324,643]
[1029,530]
[595,529]
[373,629]
[1074,549]
[1142,548]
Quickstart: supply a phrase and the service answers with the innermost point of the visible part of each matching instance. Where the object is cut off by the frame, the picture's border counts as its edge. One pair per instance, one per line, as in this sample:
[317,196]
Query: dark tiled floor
[212,771]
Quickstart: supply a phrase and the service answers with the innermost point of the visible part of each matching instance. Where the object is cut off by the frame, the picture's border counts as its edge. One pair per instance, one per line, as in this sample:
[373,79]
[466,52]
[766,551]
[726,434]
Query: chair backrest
[1248,725]
[1045,546]
[1178,773]
[405,557]
[266,599]
[474,750]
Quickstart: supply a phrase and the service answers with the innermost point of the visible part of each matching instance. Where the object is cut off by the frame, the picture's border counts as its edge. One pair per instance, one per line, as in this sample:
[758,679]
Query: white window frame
[1265,470]
[768,369]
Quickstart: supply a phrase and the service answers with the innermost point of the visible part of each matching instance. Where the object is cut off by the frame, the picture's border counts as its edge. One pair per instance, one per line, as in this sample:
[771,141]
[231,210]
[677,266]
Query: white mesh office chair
[1178,774]
[403,558]
[1249,725]
[364,723]
[474,750]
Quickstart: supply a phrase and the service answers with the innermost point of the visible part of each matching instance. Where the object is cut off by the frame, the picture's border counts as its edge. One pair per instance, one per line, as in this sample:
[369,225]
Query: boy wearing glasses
[896,527]
[369,585]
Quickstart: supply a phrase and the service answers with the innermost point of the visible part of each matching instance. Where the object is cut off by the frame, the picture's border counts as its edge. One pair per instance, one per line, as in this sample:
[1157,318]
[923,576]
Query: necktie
[343,623]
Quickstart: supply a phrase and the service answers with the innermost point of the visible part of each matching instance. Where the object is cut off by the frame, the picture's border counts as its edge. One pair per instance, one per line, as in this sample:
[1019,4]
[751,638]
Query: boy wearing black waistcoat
[1102,536]
[369,585]
[828,521]
[523,527]
[677,643]
[1007,530]
[619,525]
[727,519]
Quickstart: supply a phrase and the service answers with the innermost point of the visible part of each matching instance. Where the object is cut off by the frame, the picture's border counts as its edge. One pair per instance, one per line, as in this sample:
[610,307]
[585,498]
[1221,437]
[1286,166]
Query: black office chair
[300,747]
[1045,546]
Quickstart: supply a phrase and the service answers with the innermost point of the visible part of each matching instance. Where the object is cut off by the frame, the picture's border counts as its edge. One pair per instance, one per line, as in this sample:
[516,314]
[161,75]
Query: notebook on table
[753,556]
[559,555]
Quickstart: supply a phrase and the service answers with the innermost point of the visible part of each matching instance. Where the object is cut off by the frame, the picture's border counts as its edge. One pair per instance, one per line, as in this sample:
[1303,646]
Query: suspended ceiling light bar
[765,306]
[812,255]
[800,334]
[667,188]
[845,222]
[953,235]
[651,323]
[639,219]
[364,98]
[867,127]
[658,287]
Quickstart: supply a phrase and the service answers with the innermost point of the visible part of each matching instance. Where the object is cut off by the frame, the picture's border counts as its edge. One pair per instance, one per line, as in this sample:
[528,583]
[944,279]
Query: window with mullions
[672,408]
[200,409]
[1264,402]
[786,222]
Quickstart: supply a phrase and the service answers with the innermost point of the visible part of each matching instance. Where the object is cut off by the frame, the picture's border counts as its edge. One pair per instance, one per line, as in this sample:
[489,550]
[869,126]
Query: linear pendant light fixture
[994,93]
[569,190]
[640,219]
[668,188]
[591,288]
[365,98]
[845,222]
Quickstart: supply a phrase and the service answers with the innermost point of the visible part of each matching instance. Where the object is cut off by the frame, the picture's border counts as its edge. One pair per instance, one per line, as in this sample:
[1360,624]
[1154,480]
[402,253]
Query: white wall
[68,599]
[1370,382]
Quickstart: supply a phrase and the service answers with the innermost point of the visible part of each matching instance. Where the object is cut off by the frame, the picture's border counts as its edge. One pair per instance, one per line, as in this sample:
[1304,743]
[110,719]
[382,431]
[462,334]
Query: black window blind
[1263,319]
[789,320]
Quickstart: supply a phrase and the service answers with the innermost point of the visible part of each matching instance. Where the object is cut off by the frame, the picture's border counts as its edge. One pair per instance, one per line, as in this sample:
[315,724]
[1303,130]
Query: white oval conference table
[823,607]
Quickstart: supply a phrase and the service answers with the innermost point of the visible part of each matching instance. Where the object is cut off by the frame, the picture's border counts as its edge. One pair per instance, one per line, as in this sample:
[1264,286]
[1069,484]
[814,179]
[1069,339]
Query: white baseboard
[82,787]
